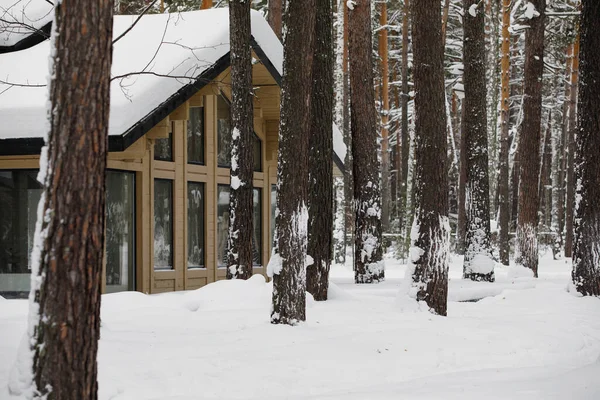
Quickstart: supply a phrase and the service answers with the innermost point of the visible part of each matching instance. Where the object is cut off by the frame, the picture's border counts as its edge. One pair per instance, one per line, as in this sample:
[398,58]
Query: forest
[433,224]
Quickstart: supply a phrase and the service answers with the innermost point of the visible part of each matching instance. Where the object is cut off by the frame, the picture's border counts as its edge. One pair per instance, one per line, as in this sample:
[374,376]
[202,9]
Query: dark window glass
[120,231]
[163,224]
[195,201]
[223,133]
[273,210]
[163,148]
[223,225]
[195,136]
[20,194]
[257,149]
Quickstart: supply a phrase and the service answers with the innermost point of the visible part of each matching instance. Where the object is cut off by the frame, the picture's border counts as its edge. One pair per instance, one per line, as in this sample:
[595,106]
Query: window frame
[172,252]
[204,265]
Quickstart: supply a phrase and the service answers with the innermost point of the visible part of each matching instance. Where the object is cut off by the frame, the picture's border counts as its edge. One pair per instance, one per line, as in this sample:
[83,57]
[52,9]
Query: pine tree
[274,16]
[530,140]
[586,252]
[68,250]
[239,255]
[320,217]
[287,264]
[368,256]
[430,236]
[385,108]
[478,262]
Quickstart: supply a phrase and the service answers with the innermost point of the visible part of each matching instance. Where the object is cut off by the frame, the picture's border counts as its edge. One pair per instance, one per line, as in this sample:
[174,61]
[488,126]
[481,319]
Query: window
[195,136]
[257,153]
[273,213]
[163,224]
[195,199]
[163,148]
[120,231]
[20,194]
[223,225]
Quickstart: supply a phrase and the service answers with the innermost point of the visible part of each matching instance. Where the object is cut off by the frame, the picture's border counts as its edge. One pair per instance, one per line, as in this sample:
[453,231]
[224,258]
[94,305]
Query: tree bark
[586,252]
[503,194]
[478,262]
[405,139]
[570,198]
[239,254]
[206,4]
[287,264]
[368,256]
[385,108]
[274,16]
[546,176]
[431,231]
[461,228]
[320,217]
[69,244]
[529,144]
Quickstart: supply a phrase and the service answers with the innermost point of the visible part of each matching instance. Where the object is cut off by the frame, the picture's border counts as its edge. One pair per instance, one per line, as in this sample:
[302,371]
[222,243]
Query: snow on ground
[527,339]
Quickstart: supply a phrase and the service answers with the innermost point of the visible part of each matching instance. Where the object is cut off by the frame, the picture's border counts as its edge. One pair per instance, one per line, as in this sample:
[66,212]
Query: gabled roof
[159,64]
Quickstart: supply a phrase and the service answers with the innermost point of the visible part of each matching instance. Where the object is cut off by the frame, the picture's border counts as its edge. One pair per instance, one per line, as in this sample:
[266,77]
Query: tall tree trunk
[69,241]
[287,265]
[239,255]
[431,231]
[348,162]
[461,223]
[385,108]
[368,253]
[445,13]
[529,144]
[546,176]
[478,263]
[320,199]
[206,4]
[570,199]
[586,252]
[274,16]
[503,195]
[405,134]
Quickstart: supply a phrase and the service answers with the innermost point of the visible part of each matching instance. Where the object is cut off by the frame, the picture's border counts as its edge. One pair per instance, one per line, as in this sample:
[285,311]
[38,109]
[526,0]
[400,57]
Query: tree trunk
[405,139]
[320,200]
[586,252]
[431,231]
[445,13]
[287,264]
[478,263]
[348,162]
[529,144]
[385,105]
[503,194]
[546,176]
[368,252]
[69,242]
[570,199]
[206,4]
[274,16]
[239,255]
[461,223]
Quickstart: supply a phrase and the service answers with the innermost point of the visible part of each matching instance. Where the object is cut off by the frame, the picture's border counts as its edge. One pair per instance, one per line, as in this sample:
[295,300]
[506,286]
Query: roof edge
[37,37]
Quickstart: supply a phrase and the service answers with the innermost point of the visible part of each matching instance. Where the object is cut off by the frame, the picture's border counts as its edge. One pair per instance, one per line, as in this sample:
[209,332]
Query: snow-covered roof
[20,19]
[161,62]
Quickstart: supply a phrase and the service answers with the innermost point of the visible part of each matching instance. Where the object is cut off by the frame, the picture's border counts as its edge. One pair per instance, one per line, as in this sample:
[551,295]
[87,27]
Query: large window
[223,225]
[163,148]
[195,136]
[195,208]
[163,224]
[120,231]
[20,193]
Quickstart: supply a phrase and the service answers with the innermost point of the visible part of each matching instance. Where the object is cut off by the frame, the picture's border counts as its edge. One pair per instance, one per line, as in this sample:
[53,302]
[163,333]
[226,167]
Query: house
[169,142]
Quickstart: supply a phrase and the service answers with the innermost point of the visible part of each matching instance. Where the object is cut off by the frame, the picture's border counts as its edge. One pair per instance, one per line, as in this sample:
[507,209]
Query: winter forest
[285,199]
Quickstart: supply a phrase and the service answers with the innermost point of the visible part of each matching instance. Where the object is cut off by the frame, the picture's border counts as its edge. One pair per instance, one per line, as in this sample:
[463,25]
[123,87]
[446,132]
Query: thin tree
[478,263]
[287,264]
[385,108]
[239,255]
[69,241]
[274,16]
[368,253]
[320,221]
[586,252]
[503,193]
[405,140]
[530,140]
[430,238]
[206,4]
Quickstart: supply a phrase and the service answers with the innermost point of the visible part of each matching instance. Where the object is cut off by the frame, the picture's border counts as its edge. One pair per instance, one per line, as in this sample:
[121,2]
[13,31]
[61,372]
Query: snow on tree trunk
[586,252]
[64,321]
[430,236]
[320,199]
[339,247]
[368,256]
[478,263]
[239,255]
[288,262]
[530,141]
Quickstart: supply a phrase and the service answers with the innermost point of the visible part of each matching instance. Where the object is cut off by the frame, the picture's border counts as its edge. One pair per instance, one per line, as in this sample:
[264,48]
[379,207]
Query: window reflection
[195,200]
[195,136]
[163,224]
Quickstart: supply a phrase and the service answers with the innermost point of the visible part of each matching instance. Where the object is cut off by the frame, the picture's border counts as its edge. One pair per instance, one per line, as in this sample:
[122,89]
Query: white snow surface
[528,339]
[20,18]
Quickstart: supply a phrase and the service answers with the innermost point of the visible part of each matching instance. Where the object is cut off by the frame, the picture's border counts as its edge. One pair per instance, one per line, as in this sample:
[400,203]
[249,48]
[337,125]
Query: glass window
[195,199]
[20,194]
[273,210]
[163,148]
[120,231]
[223,133]
[163,224]
[195,136]
[223,225]
[257,150]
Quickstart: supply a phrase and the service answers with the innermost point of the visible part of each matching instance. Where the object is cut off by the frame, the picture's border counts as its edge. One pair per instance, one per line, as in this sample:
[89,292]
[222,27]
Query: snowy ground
[527,339]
